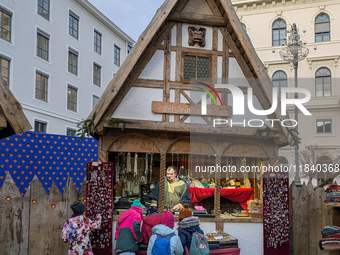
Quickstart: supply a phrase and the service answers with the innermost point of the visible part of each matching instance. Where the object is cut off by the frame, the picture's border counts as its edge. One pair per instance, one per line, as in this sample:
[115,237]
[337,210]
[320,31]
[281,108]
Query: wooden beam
[225,71]
[214,8]
[12,110]
[178,70]
[200,19]
[189,128]
[177,100]
[195,50]
[158,84]
[181,5]
[166,72]
[136,71]
[215,39]
[3,120]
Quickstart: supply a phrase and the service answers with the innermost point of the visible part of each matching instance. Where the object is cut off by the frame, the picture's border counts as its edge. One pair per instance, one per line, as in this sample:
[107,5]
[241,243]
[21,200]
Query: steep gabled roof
[12,118]
[164,19]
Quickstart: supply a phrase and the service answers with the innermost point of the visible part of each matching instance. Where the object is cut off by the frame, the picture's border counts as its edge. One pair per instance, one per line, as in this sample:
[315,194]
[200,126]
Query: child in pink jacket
[128,234]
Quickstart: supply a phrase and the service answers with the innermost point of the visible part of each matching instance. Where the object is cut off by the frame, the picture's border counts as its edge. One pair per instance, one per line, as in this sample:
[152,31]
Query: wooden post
[217,198]
[161,197]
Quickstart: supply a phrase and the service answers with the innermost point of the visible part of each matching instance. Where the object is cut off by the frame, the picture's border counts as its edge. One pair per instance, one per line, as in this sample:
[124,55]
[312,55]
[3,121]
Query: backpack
[199,244]
[161,245]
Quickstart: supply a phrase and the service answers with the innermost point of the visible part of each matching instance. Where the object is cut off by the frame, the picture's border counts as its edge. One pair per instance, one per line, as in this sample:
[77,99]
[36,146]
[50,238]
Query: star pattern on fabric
[50,157]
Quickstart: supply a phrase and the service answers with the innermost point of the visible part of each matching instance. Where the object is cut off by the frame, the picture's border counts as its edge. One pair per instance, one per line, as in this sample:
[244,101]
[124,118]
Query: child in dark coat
[187,225]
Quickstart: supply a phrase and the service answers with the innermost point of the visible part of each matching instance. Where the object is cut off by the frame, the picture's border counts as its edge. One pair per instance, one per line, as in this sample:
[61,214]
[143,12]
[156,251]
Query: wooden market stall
[141,133]
[12,117]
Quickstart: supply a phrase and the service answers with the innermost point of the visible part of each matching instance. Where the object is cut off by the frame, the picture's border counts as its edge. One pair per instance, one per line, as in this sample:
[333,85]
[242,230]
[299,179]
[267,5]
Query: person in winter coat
[187,226]
[76,230]
[148,223]
[166,229]
[128,234]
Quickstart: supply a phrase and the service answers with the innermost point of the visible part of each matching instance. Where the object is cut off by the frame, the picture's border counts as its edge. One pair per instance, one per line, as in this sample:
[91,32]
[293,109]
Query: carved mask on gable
[196,35]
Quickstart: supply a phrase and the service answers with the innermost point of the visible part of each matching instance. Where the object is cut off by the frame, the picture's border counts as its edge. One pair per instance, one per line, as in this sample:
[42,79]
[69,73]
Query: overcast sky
[132,16]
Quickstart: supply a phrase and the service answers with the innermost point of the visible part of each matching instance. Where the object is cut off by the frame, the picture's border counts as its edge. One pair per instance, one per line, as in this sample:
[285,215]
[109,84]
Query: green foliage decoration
[86,128]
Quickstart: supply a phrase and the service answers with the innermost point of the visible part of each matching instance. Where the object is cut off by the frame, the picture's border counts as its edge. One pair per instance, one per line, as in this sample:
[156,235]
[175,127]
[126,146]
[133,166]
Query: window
[5,24]
[279,32]
[97,42]
[72,98]
[73,61]
[96,74]
[116,55]
[41,83]
[94,100]
[324,126]
[322,28]
[279,79]
[43,40]
[44,8]
[323,85]
[71,132]
[196,67]
[40,126]
[4,68]
[73,24]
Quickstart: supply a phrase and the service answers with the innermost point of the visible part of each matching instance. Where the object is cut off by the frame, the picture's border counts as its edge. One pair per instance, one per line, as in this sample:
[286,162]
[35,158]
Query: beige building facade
[267,24]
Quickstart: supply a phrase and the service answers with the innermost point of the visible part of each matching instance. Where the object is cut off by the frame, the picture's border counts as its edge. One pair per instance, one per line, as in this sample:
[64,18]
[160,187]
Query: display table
[229,251]
[235,195]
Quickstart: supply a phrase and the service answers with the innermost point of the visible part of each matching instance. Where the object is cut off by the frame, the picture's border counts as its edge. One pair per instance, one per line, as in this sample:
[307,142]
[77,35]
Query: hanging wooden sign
[191,109]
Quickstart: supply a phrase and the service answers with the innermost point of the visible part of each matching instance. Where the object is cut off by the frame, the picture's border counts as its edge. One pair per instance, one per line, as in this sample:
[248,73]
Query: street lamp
[295,52]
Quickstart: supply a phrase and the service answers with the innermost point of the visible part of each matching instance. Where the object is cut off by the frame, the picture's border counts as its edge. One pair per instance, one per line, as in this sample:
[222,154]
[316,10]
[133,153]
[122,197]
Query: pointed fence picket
[32,223]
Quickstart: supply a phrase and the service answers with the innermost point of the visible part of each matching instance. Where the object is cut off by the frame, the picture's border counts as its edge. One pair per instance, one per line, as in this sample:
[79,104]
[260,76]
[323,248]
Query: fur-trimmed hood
[188,224]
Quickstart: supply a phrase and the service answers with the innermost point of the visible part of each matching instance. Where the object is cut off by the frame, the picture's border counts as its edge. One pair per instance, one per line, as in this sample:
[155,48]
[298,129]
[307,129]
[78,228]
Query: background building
[267,24]
[57,58]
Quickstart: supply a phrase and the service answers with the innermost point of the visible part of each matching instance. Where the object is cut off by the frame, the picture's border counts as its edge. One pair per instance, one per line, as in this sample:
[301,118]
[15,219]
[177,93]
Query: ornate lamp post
[295,52]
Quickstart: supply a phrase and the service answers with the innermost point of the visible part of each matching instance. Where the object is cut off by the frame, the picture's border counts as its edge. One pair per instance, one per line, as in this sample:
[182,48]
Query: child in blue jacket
[187,226]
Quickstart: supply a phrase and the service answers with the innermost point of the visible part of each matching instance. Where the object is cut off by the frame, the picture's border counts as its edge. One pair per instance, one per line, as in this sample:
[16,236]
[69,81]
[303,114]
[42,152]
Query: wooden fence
[32,224]
[308,217]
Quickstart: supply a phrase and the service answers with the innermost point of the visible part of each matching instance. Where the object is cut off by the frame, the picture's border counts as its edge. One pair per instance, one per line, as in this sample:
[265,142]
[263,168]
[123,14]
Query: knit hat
[168,219]
[136,202]
[78,208]
[185,212]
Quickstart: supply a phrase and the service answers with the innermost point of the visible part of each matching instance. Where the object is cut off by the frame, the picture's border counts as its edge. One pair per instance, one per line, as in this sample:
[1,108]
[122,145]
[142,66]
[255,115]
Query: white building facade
[57,58]
[267,24]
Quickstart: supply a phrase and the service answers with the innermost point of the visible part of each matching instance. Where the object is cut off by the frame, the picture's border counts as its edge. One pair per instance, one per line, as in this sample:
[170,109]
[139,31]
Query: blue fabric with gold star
[50,157]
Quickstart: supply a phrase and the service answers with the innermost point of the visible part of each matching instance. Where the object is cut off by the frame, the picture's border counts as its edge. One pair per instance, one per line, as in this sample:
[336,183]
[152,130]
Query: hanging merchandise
[151,164]
[99,199]
[146,165]
[128,163]
[135,171]
[276,213]
[117,168]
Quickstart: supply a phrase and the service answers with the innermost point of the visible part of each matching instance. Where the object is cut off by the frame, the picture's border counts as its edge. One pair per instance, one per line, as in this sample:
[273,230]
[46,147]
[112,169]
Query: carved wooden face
[196,35]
